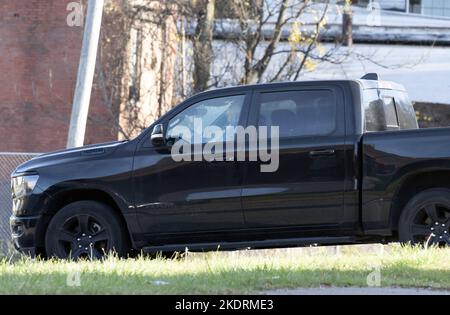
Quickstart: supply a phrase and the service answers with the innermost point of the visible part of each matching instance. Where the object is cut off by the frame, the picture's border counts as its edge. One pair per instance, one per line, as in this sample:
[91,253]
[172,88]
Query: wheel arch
[413,184]
[63,198]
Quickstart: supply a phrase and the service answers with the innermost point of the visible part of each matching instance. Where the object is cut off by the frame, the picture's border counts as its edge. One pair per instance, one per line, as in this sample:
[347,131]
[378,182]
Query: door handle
[325,152]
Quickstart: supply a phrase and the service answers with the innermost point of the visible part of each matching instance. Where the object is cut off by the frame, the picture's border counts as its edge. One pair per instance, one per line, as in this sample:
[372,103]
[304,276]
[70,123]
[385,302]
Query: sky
[424,71]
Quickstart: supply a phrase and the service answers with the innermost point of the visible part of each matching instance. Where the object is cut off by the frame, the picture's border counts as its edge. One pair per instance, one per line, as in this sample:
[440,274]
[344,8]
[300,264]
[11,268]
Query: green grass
[235,272]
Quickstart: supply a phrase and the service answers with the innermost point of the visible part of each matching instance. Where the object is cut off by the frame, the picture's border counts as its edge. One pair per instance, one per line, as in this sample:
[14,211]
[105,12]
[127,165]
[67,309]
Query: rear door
[306,192]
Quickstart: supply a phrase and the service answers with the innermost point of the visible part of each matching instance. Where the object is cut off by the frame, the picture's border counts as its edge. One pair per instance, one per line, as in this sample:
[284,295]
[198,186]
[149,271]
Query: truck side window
[390,113]
[219,112]
[406,112]
[380,112]
[299,113]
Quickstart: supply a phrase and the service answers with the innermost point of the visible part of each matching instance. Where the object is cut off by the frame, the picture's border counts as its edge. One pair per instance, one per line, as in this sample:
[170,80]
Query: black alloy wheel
[85,229]
[426,219]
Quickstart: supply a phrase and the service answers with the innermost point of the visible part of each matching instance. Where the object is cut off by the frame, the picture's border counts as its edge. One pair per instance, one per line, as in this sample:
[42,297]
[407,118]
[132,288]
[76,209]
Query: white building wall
[424,71]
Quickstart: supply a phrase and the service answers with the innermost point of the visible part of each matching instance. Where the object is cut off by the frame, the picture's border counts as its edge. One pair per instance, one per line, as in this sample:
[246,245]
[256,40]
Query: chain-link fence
[8,162]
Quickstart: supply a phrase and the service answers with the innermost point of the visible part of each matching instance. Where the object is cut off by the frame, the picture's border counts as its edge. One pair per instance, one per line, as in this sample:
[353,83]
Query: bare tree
[202,43]
[152,59]
[254,69]
[275,40]
[138,74]
[135,75]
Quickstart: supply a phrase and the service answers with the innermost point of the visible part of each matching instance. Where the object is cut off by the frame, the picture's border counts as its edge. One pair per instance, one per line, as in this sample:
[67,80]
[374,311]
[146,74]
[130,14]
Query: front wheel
[425,220]
[85,229]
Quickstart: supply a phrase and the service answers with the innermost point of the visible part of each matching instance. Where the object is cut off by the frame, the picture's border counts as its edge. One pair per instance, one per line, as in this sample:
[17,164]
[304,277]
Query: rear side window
[299,113]
[406,113]
[373,111]
[388,113]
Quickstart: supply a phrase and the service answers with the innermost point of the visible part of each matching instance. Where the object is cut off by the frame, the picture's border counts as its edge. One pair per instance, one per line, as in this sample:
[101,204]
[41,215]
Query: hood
[68,155]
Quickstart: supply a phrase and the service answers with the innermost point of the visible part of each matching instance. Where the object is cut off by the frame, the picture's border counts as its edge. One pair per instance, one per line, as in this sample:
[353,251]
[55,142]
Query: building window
[415,6]
[436,7]
[425,7]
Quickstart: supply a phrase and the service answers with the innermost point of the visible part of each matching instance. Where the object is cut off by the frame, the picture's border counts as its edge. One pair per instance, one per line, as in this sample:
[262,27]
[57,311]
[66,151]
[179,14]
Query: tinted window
[406,113]
[222,112]
[380,112]
[299,113]
[373,111]
[390,113]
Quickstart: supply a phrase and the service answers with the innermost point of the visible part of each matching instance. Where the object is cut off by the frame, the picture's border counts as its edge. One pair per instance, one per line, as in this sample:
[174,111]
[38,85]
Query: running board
[275,243]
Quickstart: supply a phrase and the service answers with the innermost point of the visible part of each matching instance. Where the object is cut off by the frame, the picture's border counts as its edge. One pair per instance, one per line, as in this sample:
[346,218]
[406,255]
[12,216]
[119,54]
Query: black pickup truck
[352,167]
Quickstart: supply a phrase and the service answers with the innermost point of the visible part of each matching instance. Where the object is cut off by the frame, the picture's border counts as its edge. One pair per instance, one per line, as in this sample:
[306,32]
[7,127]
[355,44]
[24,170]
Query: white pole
[85,76]
[183,58]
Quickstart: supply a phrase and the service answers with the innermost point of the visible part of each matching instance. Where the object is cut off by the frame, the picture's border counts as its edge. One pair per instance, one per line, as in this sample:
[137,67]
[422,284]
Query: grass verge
[239,272]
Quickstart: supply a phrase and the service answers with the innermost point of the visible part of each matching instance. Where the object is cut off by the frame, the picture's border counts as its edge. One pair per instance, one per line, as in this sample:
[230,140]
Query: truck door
[307,189]
[176,197]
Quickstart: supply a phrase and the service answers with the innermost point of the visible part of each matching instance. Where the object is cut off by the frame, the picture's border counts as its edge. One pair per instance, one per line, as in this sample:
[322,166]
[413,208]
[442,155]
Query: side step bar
[275,243]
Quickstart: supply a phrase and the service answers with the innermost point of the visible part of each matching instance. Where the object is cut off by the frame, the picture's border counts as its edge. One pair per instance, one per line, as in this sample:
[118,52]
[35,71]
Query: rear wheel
[425,220]
[85,229]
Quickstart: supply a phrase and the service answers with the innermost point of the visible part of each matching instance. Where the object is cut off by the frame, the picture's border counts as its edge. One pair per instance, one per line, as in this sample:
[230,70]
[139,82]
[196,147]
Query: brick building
[38,67]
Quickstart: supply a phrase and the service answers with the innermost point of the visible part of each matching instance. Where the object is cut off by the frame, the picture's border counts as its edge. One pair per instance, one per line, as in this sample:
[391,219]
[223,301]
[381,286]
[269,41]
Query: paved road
[356,291]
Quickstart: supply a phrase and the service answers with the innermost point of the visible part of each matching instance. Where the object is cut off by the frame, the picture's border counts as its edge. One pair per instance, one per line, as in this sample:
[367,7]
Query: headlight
[23,185]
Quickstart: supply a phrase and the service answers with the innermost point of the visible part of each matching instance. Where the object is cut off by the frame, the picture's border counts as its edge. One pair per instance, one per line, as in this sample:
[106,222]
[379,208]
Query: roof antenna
[371,76]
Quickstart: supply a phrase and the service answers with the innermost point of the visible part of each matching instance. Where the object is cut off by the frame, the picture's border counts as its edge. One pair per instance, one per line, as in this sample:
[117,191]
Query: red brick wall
[39,55]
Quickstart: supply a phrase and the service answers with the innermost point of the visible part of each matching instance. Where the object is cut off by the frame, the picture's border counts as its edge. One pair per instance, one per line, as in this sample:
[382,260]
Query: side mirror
[157,136]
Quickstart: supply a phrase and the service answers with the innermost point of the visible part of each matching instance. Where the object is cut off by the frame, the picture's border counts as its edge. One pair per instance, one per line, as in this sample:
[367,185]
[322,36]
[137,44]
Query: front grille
[8,163]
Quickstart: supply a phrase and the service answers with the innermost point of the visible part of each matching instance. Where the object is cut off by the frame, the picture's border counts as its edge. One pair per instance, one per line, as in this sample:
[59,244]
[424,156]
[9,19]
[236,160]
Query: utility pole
[347,27]
[85,76]
[183,58]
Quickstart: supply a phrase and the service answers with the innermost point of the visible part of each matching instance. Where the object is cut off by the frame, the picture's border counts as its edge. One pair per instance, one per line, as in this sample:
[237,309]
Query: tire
[425,220]
[85,229]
